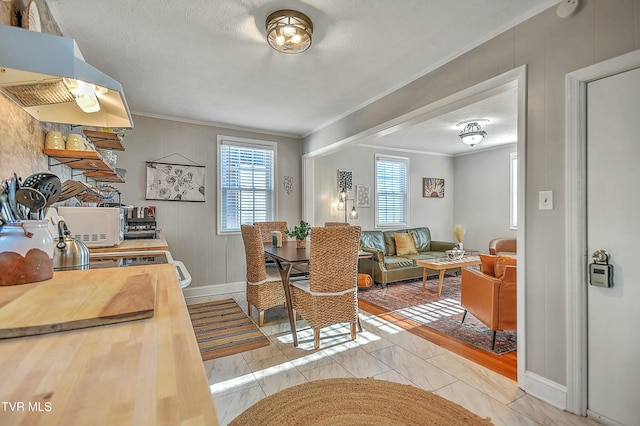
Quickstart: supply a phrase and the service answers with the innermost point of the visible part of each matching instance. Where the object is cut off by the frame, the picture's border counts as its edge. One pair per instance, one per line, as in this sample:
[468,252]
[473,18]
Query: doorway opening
[319,187]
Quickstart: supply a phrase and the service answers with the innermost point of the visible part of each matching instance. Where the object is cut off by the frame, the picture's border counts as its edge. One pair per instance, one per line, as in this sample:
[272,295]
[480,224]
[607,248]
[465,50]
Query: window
[391,190]
[246,190]
[513,212]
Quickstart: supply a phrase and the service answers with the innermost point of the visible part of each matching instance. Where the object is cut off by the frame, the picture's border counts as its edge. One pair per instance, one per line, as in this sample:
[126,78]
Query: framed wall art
[345,180]
[432,188]
[362,196]
[175,182]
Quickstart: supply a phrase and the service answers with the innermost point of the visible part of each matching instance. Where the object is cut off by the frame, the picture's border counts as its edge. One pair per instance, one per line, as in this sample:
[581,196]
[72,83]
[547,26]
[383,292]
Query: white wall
[190,228]
[551,47]
[435,213]
[481,196]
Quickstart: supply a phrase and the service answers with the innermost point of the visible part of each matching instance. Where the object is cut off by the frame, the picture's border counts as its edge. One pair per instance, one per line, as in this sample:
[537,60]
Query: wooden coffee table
[442,264]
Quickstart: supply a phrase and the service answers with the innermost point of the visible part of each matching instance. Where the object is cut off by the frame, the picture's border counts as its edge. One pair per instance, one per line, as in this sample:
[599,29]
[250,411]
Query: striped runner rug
[222,328]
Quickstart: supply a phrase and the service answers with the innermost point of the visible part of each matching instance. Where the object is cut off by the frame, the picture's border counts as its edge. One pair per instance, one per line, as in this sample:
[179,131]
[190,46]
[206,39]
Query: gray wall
[190,228]
[436,213]
[551,47]
[481,196]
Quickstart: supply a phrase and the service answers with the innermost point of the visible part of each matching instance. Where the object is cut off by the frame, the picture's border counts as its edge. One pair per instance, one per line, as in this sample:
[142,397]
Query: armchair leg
[493,340]
[463,316]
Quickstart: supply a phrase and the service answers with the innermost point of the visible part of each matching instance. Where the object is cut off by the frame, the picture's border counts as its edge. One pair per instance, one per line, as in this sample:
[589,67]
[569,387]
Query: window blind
[391,191]
[246,184]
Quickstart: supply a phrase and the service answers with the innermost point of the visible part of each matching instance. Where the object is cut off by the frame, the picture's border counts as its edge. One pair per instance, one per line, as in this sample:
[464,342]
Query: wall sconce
[342,205]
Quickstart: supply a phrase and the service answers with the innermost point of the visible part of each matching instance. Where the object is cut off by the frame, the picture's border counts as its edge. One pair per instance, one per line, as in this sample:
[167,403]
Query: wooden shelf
[104,177]
[80,160]
[105,140]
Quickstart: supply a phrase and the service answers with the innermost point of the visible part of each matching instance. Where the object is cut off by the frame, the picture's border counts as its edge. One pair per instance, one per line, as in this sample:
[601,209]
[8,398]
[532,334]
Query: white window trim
[253,143]
[375,187]
[513,190]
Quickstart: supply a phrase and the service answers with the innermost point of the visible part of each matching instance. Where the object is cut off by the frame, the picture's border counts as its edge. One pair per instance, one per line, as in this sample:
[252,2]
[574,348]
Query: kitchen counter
[135,245]
[143,372]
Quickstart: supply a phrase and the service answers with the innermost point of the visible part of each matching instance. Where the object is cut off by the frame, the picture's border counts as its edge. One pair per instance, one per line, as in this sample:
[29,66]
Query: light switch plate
[545,200]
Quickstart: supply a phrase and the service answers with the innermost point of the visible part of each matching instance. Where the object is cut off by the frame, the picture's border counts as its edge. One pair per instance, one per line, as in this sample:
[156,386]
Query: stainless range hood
[35,71]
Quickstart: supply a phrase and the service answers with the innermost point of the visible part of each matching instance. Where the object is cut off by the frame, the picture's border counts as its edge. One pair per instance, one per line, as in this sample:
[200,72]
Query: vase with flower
[300,233]
[459,231]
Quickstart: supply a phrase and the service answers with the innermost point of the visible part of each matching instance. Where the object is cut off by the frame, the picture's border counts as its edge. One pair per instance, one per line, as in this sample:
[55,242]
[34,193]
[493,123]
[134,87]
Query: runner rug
[356,402]
[407,299]
[222,328]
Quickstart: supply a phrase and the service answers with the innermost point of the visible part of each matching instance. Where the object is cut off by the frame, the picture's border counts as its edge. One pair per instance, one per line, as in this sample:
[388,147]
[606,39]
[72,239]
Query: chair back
[254,253]
[333,262]
[267,227]
[336,224]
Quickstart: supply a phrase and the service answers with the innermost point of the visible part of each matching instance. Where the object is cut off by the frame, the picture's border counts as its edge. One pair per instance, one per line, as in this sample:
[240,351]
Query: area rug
[407,299]
[356,402]
[222,328]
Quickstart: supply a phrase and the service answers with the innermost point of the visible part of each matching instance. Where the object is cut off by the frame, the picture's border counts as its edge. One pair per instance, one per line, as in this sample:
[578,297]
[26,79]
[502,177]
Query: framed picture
[175,182]
[432,188]
[345,180]
[362,196]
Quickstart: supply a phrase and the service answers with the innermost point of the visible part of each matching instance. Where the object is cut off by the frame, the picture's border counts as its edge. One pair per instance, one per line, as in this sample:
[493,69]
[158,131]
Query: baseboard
[545,390]
[213,289]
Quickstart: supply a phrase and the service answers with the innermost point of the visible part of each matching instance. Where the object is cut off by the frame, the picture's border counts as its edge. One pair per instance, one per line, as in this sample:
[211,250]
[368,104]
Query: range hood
[35,71]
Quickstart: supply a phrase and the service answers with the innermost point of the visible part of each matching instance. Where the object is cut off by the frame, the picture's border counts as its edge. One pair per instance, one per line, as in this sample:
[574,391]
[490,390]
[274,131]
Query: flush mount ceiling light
[472,133]
[289,31]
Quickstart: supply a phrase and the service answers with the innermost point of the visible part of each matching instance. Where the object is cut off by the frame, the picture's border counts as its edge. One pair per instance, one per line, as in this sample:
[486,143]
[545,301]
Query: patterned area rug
[406,298]
[222,328]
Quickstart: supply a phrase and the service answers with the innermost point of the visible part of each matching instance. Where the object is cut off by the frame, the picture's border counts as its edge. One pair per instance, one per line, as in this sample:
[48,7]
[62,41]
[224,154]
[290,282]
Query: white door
[613,217]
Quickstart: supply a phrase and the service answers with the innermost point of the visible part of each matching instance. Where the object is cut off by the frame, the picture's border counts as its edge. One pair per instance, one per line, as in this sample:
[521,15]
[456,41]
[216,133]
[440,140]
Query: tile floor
[382,351]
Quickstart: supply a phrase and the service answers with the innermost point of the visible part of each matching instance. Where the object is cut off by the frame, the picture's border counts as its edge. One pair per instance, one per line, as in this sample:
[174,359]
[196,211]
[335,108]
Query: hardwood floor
[502,364]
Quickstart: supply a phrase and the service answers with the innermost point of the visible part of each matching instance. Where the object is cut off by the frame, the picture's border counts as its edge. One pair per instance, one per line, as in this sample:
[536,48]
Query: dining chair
[329,296]
[264,291]
[267,227]
[336,224]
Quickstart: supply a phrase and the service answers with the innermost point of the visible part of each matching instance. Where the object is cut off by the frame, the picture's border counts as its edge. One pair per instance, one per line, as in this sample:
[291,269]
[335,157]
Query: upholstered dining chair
[329,296]
[264,290]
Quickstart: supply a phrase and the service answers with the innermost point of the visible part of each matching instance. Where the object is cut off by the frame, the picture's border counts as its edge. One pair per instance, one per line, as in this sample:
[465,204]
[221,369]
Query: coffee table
[442,264]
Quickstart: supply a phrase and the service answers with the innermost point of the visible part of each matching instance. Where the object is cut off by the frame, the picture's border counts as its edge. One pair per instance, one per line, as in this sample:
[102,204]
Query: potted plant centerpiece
[300,233]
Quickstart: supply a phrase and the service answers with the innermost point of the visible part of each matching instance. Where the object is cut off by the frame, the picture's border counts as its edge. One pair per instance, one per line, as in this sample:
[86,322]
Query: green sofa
[388,267]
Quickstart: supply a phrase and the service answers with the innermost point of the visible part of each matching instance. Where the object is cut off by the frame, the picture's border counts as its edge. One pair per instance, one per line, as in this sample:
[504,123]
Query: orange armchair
[500,246]
[490,299]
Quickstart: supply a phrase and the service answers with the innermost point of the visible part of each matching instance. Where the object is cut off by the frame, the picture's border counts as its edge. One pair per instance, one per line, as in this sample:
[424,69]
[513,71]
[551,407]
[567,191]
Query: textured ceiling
[208,60]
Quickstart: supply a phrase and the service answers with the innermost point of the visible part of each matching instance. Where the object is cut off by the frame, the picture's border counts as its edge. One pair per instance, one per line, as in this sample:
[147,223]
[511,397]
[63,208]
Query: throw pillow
[501,264]
[488,264]
[405,244]
[364,281]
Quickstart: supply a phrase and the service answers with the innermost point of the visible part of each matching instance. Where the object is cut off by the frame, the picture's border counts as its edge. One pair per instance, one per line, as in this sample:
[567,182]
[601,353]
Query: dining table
[286,257]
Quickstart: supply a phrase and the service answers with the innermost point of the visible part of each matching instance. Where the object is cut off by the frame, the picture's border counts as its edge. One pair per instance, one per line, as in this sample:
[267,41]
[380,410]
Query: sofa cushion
[422,236]
[390,242]
[488,264]
[405,244]
[396,262]
[501,264]
[372,239]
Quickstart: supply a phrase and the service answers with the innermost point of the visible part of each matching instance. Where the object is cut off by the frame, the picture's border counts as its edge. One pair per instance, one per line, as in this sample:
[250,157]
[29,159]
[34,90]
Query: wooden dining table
[286,257]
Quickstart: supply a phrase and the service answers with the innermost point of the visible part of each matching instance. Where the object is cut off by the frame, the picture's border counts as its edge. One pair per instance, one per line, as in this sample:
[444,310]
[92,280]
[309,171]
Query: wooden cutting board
[62,304]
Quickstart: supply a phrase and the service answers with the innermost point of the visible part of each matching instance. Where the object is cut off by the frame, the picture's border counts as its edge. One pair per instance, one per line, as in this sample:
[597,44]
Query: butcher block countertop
[142,372]
[139,244]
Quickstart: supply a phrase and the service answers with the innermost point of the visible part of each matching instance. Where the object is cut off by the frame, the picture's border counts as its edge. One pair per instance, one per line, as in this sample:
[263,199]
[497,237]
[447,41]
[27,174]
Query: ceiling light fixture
[289,31]
[472,134]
